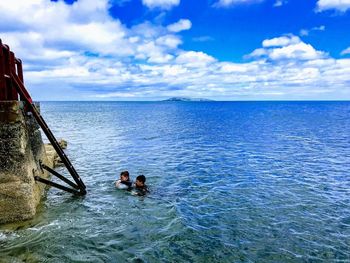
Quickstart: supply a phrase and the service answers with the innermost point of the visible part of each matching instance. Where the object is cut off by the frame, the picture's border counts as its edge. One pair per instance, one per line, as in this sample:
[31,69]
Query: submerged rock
[52,155]
[63,144]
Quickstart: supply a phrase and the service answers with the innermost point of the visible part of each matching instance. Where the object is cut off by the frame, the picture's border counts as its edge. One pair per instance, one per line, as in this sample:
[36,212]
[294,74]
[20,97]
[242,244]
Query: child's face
[139,183]
[124,178]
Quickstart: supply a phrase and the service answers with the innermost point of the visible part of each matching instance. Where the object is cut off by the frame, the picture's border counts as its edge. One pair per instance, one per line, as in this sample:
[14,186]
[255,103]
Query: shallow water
[230,182]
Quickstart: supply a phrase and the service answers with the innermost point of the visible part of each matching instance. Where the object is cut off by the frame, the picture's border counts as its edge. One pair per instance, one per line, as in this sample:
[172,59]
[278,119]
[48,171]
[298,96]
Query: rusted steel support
[19,72]
[19,69]
[2,74]
[7,70]
[13,95]
[8,63]
[21,90]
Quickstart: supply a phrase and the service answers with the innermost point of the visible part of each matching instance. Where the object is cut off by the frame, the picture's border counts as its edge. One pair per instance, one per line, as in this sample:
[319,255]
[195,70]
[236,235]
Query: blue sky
[154,49]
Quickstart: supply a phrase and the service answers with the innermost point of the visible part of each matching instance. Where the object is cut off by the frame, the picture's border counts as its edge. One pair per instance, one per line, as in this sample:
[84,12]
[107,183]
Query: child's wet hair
[141,178]
[125,173]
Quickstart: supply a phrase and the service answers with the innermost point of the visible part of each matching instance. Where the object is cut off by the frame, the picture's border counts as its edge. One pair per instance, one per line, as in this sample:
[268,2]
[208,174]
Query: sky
[156,49]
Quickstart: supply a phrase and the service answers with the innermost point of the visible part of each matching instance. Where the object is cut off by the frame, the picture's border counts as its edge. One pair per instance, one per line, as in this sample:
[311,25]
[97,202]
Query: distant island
[186,99]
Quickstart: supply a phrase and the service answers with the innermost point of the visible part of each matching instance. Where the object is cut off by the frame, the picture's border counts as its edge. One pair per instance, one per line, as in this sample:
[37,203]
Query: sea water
[229,182]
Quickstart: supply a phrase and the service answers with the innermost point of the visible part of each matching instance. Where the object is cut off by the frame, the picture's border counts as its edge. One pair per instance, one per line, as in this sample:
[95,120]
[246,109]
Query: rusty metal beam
[13,95]
[18,63]
[7,71]
[2,73]
[19,72]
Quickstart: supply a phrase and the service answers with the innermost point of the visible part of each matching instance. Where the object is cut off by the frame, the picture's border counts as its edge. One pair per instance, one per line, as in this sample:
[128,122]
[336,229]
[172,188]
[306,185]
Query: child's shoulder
[142,191]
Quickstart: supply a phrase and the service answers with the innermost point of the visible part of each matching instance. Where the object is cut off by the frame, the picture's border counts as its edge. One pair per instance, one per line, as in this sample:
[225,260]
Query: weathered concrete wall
[21,149]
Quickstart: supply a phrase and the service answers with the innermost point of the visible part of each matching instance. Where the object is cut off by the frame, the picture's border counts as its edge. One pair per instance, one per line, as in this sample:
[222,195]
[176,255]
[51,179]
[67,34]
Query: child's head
[124,176]
[140,181]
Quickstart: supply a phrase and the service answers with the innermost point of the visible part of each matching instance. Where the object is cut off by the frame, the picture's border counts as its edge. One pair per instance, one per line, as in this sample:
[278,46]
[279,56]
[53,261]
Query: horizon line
[211,100]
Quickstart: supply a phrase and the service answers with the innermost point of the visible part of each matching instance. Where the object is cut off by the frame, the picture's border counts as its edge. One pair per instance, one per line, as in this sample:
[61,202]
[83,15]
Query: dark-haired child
[140,188]
[124,182]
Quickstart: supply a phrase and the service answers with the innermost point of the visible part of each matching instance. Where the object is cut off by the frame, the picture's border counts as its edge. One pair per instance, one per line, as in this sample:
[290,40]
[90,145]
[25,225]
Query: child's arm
[117,183]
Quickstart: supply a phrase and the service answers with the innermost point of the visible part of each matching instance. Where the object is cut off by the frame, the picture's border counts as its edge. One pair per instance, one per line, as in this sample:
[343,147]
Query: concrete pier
[21,150]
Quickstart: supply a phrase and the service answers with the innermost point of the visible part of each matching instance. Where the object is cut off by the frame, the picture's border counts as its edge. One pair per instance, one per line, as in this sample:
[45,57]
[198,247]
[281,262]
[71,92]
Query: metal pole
[20,72]
[19,69]
[7,71]
[13,93]
[2,73]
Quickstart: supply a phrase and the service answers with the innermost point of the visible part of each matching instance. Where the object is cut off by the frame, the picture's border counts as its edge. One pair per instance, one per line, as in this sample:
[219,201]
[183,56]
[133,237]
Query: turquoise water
[230,182]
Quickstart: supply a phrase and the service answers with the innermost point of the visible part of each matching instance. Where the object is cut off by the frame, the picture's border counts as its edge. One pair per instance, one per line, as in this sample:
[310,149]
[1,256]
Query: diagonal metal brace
[53,172]
[61,187]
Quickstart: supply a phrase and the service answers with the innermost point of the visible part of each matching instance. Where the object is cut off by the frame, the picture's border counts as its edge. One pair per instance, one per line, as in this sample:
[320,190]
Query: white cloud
[259,52]
[286,47]
[228,3]
[306,32]
[300,51]
[170,41]
[281,41]
[346,51]
[181,25]
[162,4]
[280,3]
[85,25]
[340,5]
[320,28]
[227,67]
[194,59]
[153,53]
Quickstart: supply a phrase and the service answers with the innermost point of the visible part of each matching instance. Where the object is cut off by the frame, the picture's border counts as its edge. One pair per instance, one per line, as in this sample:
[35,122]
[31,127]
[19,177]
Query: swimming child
[124,182]
[140,187]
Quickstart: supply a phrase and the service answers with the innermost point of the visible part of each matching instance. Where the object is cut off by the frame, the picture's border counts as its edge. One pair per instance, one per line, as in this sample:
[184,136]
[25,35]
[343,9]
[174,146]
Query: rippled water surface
[230,182]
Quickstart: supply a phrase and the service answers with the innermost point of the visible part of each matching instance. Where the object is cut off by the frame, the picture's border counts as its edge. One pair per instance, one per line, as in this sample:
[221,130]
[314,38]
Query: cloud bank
[339,5]
[80,52]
